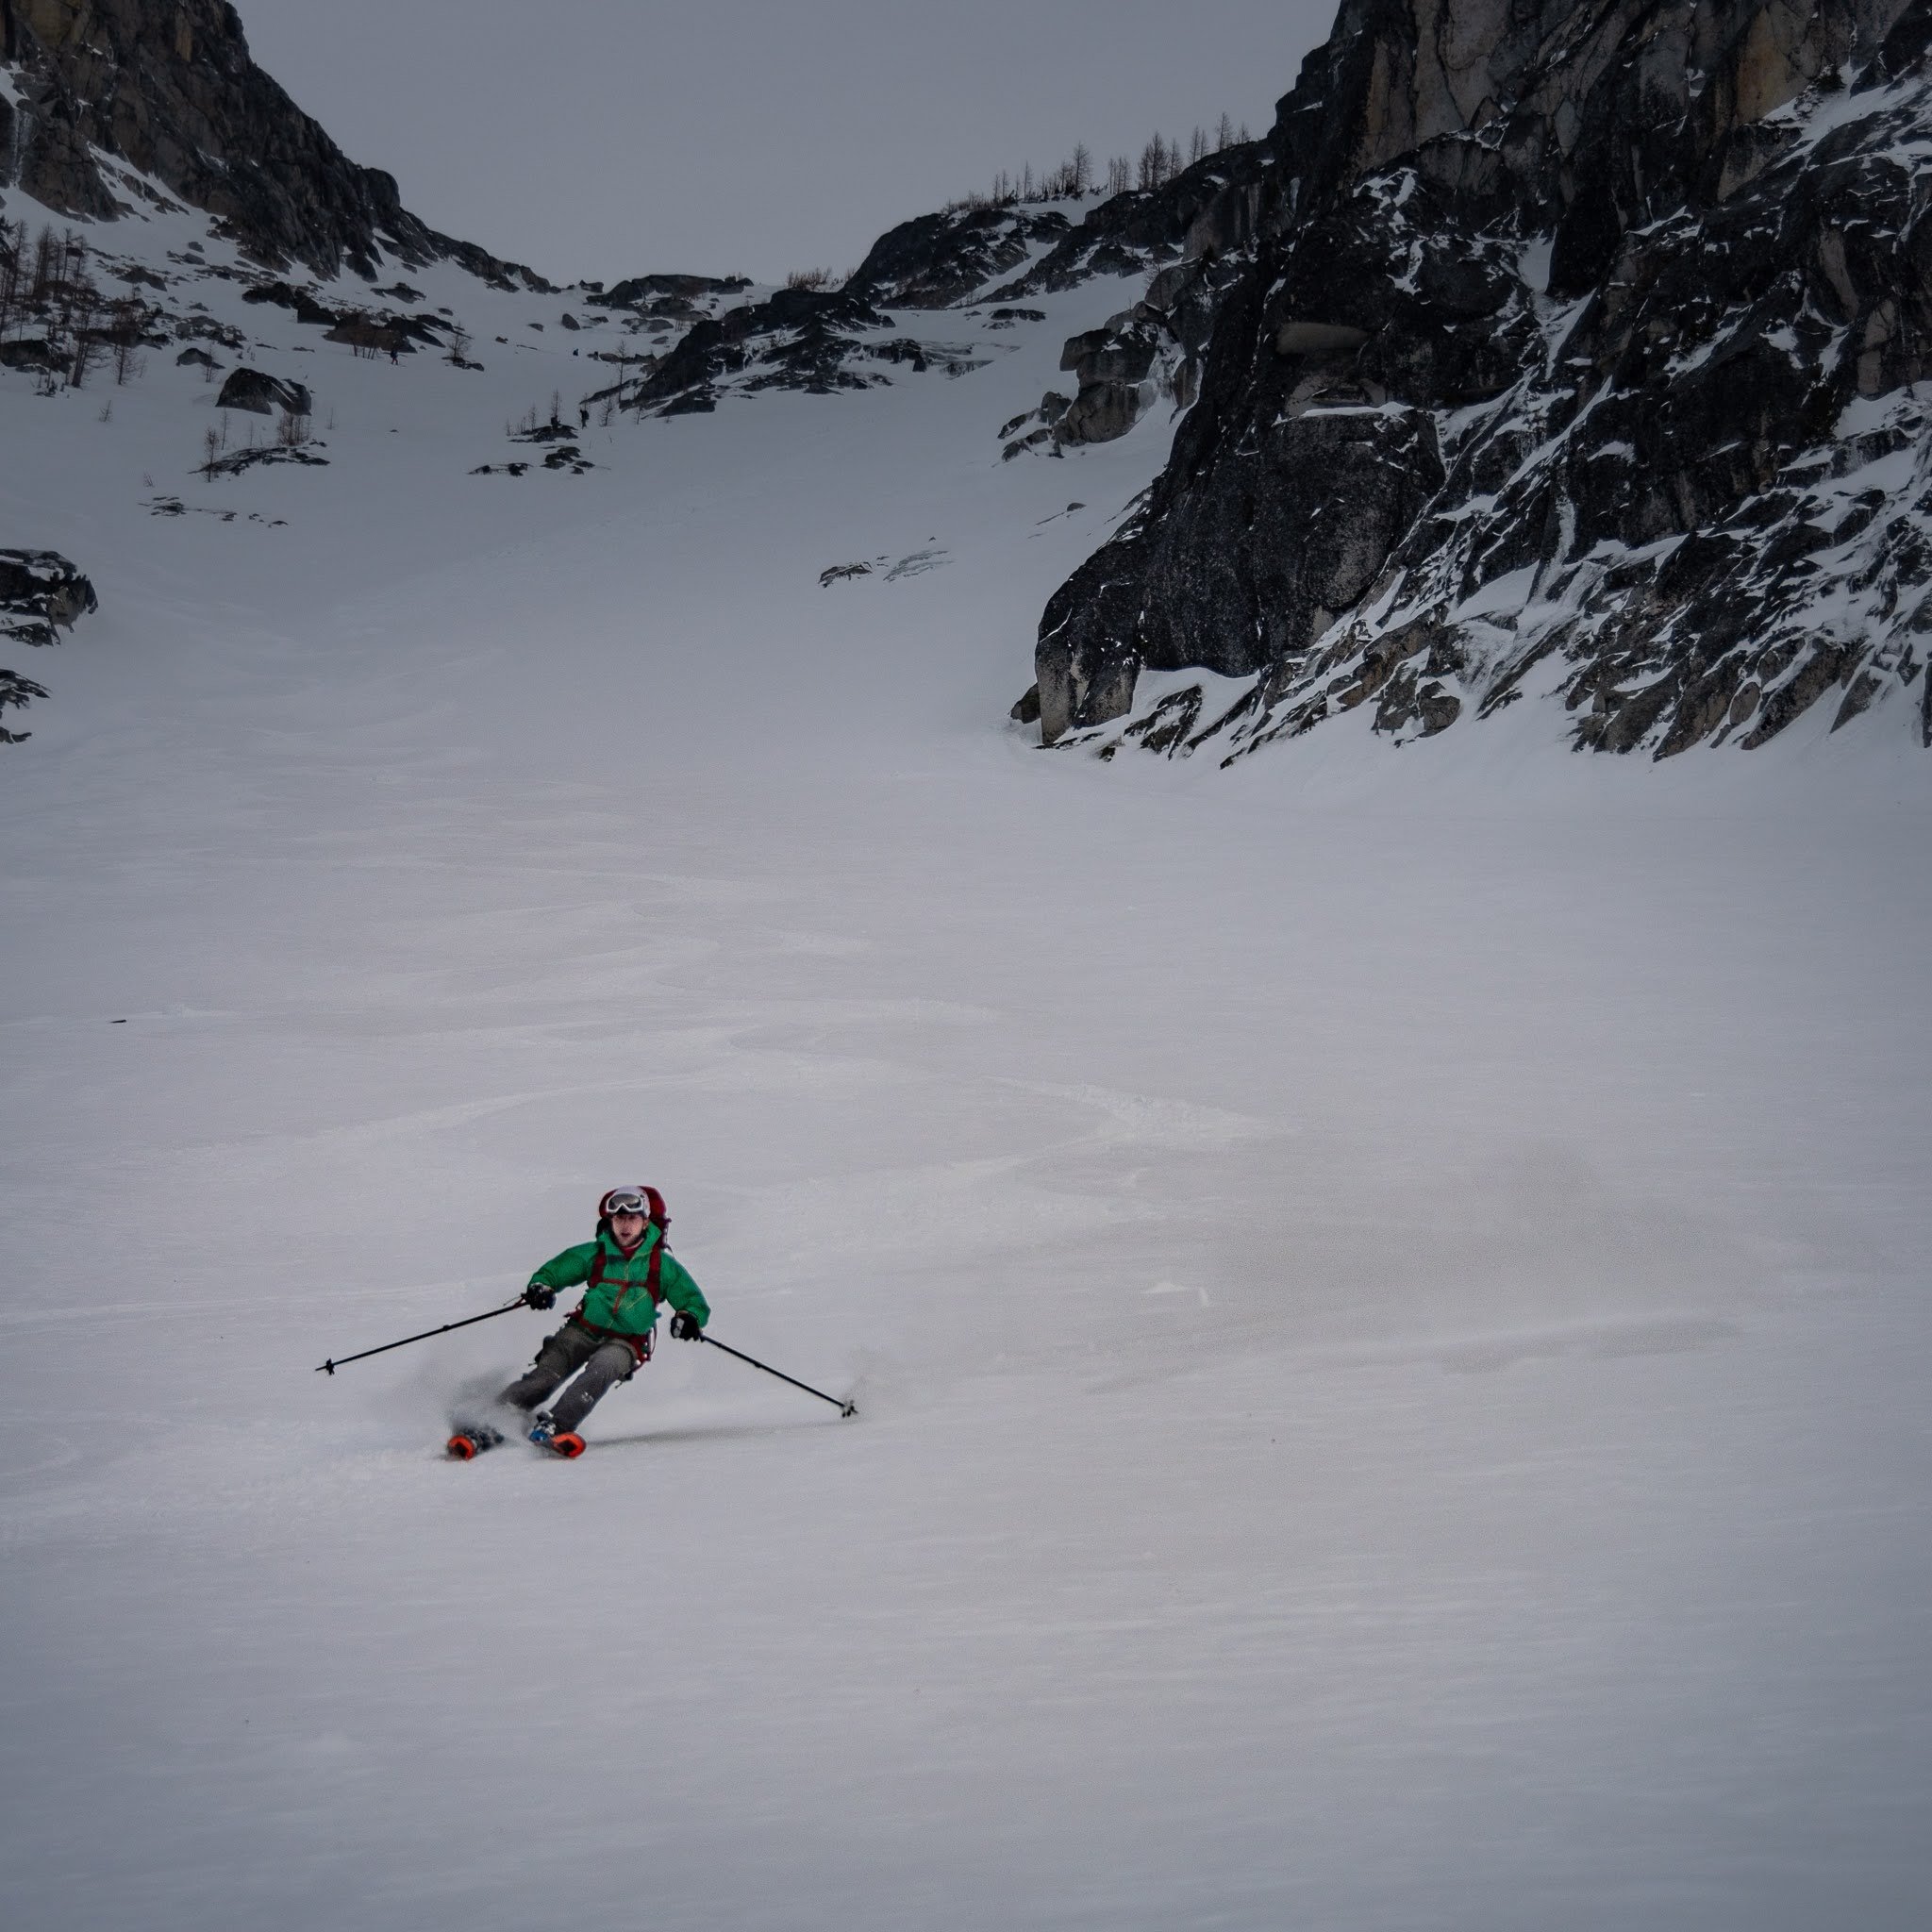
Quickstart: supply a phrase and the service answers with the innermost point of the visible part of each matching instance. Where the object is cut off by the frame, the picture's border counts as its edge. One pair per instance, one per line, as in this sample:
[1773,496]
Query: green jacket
[621,1300]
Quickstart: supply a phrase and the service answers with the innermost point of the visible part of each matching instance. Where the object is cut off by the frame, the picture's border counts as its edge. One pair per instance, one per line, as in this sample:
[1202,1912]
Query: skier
[626,1270]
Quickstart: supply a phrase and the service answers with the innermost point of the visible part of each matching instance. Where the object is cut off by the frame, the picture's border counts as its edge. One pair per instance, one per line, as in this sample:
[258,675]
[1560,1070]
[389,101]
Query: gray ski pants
[603,1363]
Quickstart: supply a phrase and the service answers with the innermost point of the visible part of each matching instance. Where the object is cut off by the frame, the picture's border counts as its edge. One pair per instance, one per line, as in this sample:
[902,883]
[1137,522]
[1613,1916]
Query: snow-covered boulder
[254,388]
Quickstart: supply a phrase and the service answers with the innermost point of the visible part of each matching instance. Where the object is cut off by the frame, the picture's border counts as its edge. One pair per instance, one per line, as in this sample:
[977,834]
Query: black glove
[685,1328]
[538,1296]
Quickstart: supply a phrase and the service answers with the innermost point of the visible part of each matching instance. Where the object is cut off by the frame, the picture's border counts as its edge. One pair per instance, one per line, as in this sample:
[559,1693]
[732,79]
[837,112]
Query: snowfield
[1385,1289]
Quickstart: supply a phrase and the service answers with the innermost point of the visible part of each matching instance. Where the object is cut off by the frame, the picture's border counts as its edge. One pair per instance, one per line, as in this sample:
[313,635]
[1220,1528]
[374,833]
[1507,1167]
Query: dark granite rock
[256,390]
[801,339]
[260,454]
[205,328]
[1152,351]
[301,303]
[170,87]
[938,260]
[1207,209]
[32,352]
[41,594]
[17,690]
[378,335]
[641,292]
[1578,363]
[815,338]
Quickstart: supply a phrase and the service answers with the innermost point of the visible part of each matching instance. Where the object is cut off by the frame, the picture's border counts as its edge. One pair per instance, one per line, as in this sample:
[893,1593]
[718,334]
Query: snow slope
[1385,1292]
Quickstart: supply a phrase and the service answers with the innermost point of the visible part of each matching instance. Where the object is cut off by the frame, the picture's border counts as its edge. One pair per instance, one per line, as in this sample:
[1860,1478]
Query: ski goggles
[626,1201]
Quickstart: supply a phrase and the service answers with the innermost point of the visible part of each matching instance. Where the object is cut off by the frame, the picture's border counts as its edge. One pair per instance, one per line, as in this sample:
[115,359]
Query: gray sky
[604,137]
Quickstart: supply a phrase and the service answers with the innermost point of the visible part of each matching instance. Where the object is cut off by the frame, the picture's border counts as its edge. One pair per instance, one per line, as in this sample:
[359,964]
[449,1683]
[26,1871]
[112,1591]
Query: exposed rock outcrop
[824,340]
[1144,356]
[169,86]
[1575,359]
[17,692]
[41,594]
[1197,230]
[41,591]
[256,390]
[937,260]
[1204,210]
[676,296]
[805,339]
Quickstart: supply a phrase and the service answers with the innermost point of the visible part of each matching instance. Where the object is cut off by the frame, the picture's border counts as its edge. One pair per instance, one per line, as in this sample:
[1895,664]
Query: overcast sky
[603,137]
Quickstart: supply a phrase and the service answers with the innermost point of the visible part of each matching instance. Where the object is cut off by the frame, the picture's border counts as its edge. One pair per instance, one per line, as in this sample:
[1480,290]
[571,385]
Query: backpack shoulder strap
[653,1268]
[661,1222]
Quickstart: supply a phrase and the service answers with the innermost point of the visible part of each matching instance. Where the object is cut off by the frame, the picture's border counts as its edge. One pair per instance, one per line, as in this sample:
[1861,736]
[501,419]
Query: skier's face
[628,1228]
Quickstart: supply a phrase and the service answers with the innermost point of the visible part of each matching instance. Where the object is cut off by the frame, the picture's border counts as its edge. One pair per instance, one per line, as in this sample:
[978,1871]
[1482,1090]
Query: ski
[471,1439]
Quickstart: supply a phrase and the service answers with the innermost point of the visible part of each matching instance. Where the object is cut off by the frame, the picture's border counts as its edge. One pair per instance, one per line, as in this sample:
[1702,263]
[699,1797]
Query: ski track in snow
[1386,1293]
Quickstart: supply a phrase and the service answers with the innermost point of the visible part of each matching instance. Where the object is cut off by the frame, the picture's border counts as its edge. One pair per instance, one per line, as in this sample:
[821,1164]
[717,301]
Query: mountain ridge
[174,92]
[1580,364]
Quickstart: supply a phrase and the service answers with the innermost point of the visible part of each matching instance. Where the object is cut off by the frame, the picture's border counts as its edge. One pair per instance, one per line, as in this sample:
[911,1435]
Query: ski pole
[844,1409]
[329,1367]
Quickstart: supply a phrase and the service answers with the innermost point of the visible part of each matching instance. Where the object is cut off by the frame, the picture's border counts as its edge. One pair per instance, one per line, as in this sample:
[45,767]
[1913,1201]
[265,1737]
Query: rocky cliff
[1576,357]
[168,86]
[989,258]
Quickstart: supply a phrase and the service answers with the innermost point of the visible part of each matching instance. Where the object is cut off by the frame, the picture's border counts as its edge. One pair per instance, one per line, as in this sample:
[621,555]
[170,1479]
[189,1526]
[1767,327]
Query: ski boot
[470,1442]
[541,1428]
[570,1444]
